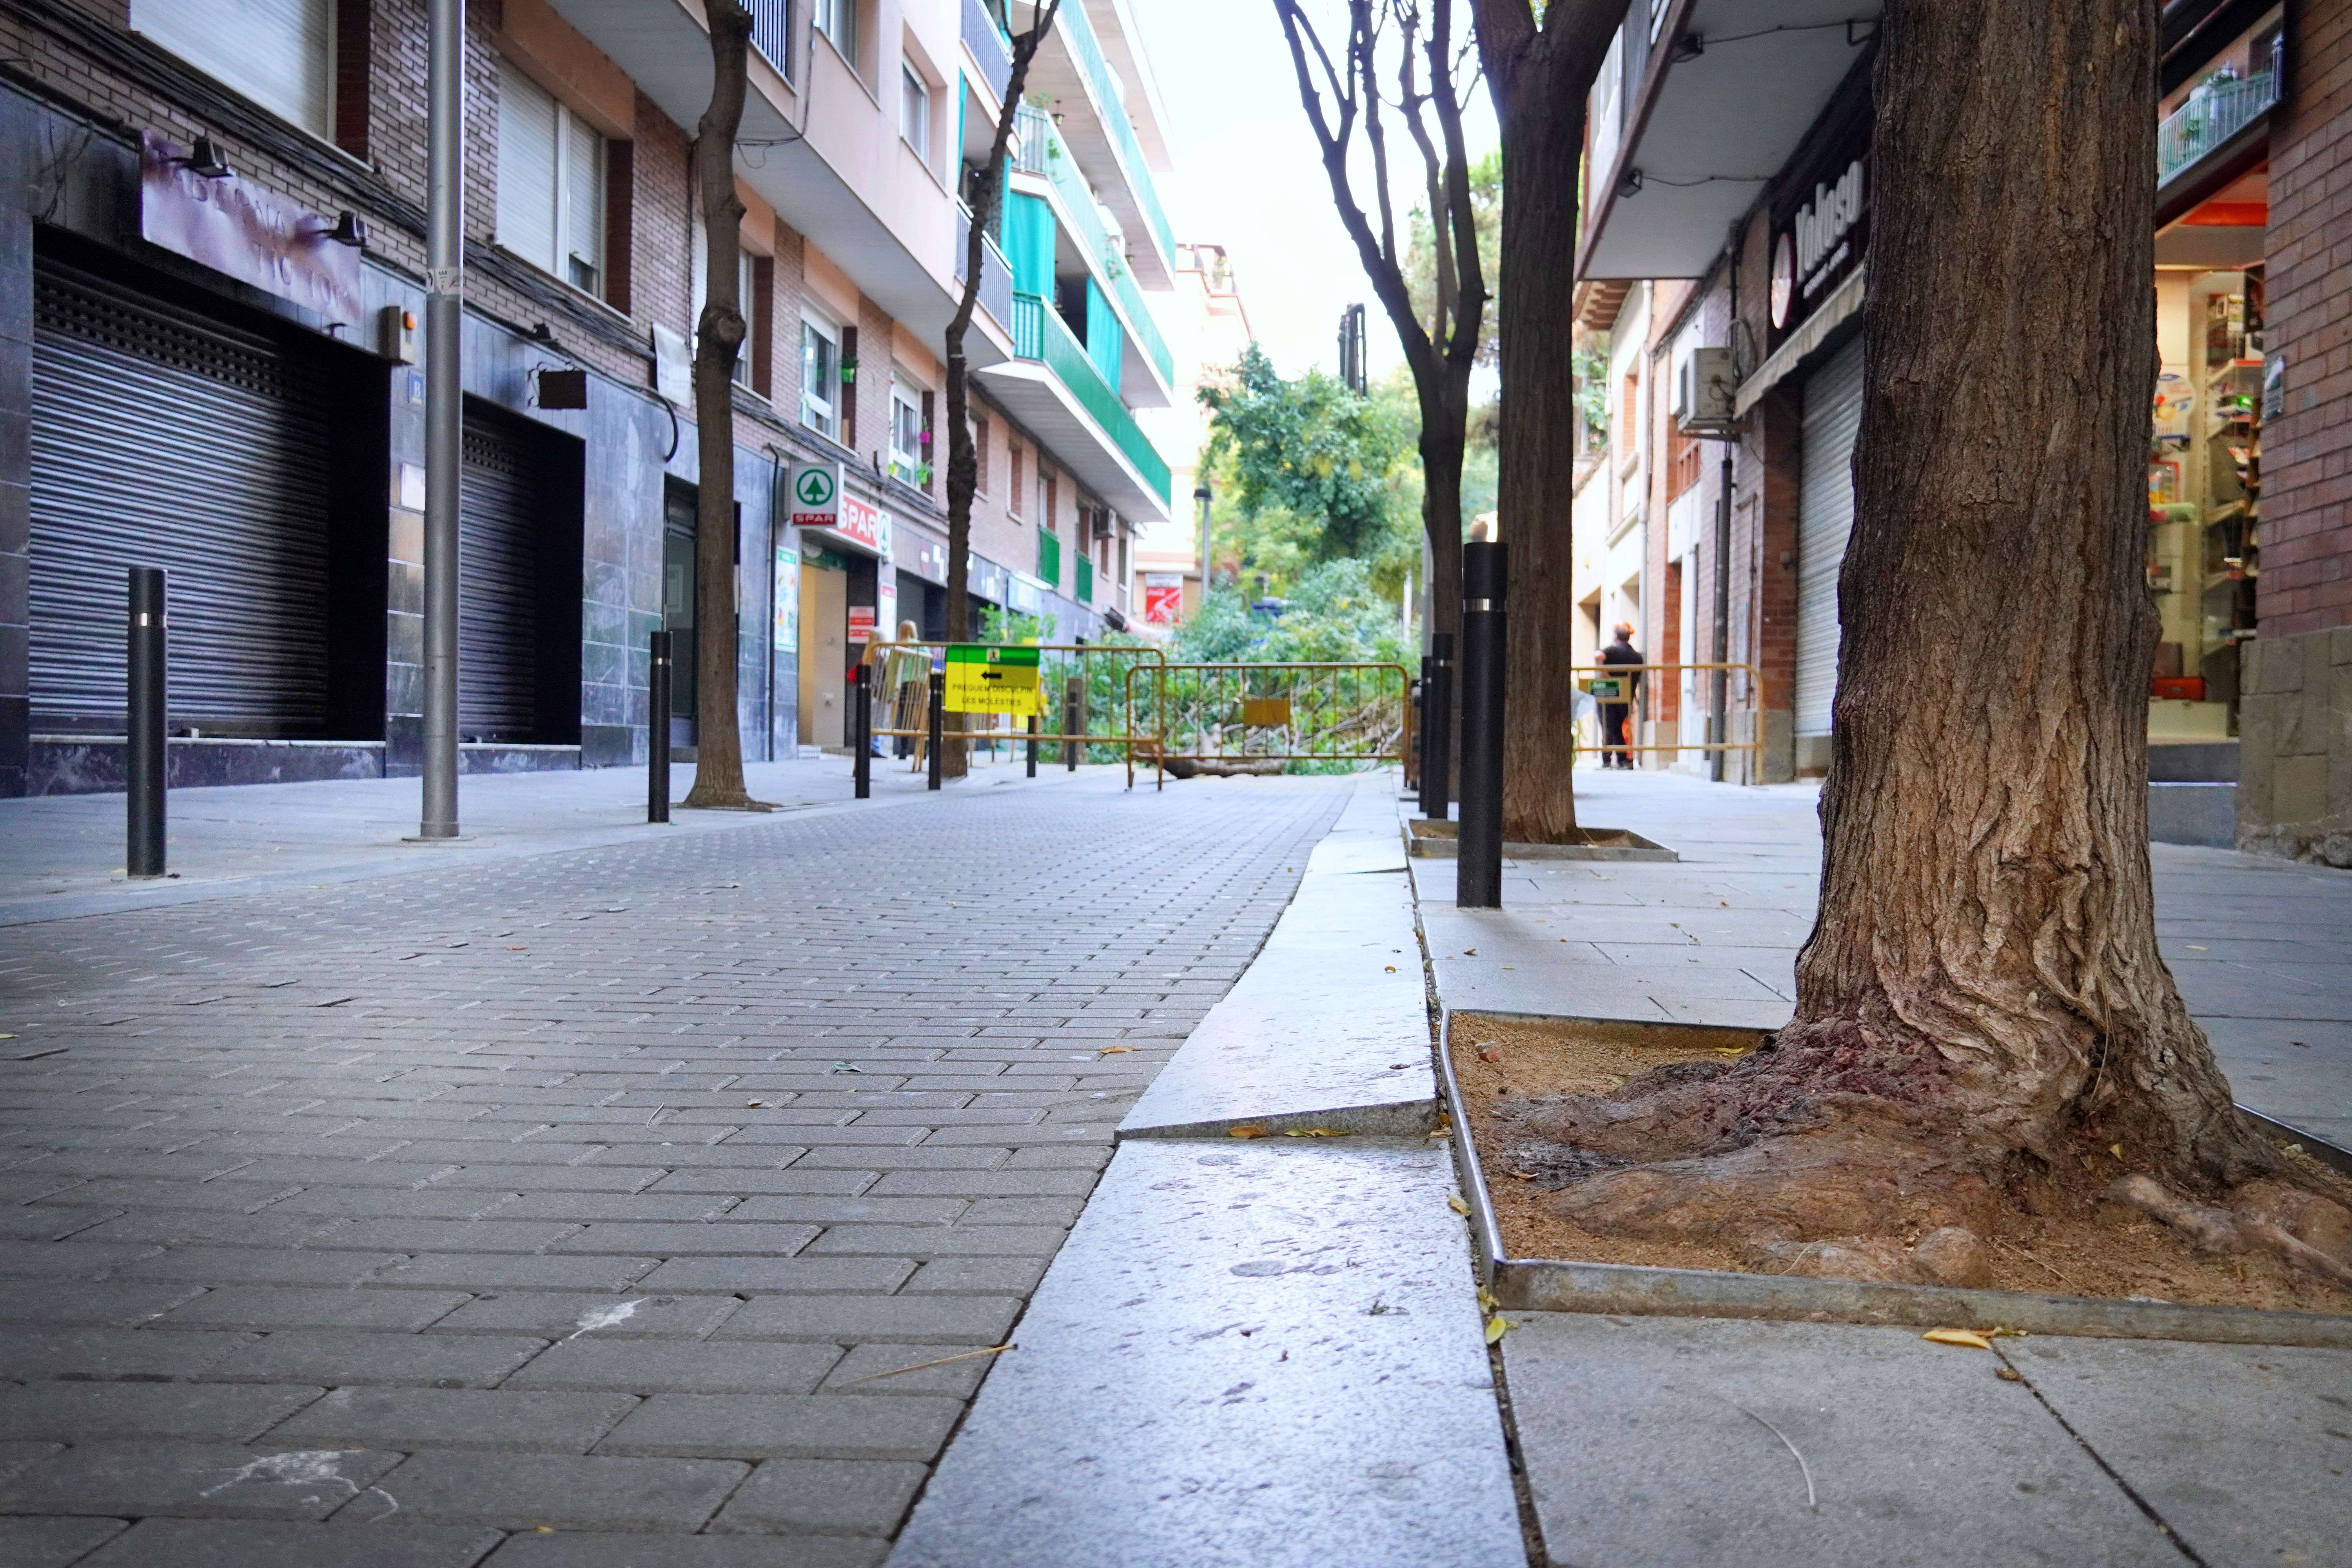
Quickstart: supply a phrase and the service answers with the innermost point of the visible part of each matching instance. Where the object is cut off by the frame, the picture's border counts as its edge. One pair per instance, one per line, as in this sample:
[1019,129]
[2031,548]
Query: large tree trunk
[717,733]
[1543,141]
[1538,74]
[1981,1009]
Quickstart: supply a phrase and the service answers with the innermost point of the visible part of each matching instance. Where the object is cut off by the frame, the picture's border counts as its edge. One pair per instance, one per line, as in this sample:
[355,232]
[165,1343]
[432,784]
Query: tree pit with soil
[2068,1235]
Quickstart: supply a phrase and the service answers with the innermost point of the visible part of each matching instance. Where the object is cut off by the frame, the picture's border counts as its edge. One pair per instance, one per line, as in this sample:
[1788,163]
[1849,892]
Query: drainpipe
[445,276]
[1719,721]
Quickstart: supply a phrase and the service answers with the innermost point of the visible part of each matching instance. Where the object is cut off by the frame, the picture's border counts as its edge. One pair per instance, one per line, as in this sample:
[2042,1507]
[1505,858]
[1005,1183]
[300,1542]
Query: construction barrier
[1614,685]
[1023,680]
[1260,718]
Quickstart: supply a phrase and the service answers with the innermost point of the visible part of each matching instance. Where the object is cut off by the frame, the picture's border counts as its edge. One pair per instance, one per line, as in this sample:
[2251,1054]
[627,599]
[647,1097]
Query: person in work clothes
[1616,744]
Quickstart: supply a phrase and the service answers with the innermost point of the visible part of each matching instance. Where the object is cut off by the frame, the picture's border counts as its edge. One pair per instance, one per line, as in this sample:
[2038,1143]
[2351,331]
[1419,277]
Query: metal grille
[161,439]
[1824,518]
[497,589]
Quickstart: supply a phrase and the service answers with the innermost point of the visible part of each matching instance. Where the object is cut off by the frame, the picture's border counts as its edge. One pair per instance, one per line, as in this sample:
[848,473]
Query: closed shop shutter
[161,438]
[1824,518]
[498,592]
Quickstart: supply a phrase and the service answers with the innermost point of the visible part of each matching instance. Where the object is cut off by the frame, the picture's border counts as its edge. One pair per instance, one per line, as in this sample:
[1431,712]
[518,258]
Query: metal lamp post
[445,277]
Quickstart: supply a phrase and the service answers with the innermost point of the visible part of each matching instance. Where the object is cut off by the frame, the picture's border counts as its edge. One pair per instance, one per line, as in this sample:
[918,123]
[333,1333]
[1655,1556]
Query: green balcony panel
[1049,557]
[1044,154]
[1039,333]
[1029,243]
[1102,333]
[1086,589]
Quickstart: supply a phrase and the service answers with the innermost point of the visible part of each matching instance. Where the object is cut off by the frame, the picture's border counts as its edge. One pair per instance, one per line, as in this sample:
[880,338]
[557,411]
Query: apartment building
[1210,327]
[212,236]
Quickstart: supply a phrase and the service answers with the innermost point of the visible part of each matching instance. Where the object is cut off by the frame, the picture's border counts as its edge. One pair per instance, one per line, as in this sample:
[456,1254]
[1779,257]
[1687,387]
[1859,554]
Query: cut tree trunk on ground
[1982,1019]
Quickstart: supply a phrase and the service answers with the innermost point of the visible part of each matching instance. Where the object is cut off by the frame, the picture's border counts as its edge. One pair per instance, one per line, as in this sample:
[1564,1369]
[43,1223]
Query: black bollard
[1074,719]
[1032,745]
[1486,586]
[1438,717]
[937,723]
[146,759]
[1419,780]
[861,765]
[659,677]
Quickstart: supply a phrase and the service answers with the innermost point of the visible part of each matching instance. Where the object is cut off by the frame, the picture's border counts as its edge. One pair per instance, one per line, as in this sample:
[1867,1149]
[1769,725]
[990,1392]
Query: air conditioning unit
[1703,394]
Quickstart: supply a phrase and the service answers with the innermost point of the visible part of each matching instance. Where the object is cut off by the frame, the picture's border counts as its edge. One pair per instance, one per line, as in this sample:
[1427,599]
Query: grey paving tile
[501,1271]
[792,1497]
[558,1316]
[52,1542]
[42,1301]
[525,1491]
[844,1426]
[330,1358]
[962,1320]
[509,1421]
[288,1307]
[941,1241]
[193,1480]
[78,1412]
[902,1368]
[729,1239]
[977,1276]
[102,1353]
[260,1543]
[638,1366]
[750,1274]
[572,1549]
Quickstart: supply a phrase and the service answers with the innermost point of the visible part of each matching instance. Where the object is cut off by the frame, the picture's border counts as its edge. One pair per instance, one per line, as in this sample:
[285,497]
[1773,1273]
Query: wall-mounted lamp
[1688,46]
[205,161]
[1630,187]
[349,229]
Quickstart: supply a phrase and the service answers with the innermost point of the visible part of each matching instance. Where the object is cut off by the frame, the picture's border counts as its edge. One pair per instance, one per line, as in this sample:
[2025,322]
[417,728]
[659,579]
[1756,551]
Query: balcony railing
[995,273]
[2215,112]
[1040,334]
[1088,49]
[771,32]
[1044,154]
[1086,586]
[989,46]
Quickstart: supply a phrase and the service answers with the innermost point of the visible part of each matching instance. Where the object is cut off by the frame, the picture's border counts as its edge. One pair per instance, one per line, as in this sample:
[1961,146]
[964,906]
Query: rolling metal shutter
[497,589]
[161,438]
[1824,518]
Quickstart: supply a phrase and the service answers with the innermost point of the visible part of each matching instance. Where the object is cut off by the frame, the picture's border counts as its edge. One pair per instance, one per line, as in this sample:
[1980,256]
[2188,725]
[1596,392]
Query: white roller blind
[1824,518]
[526,143]
[583,205]
[279,53]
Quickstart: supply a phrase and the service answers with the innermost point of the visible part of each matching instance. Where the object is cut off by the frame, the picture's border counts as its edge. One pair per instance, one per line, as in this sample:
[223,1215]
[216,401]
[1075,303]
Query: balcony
[1053,388]
[1086,585]
[1044,154]
[2216,112]
[1073,70]
[989,46]
[772,33]
[995,275]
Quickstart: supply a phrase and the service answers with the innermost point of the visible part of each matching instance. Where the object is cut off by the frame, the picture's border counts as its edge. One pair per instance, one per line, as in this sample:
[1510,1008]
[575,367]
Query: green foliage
[1013,626]
[1334,614]
[1592,366]
[1420,250]
[1309,456]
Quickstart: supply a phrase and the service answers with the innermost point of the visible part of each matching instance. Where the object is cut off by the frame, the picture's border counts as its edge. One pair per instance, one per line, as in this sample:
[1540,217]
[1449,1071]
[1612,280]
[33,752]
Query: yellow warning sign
[982,677]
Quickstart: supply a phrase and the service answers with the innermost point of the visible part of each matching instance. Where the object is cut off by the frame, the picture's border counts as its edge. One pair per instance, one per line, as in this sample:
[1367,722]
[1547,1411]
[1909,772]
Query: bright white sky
[1248,176]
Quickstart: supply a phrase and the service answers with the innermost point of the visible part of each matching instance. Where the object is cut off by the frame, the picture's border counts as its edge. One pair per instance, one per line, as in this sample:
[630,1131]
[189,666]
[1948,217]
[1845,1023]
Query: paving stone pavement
[521,1211]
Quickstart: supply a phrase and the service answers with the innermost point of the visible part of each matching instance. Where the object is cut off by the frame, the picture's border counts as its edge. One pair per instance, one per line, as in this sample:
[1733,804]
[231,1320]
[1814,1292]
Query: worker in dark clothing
[1616,744]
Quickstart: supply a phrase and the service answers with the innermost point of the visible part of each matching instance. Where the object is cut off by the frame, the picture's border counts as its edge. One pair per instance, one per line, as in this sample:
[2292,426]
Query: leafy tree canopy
[1334,614]
[1312,450]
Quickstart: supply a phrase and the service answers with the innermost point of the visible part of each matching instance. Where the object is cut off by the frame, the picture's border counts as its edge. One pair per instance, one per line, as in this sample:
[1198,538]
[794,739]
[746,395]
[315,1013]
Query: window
[820,379]
[907,436]
[550,183]
[838,20]
[1684,454]
[914,111]
[279,53]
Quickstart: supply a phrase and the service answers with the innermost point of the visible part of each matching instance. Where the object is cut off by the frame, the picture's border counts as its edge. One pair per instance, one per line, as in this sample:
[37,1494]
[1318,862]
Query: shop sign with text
[1820,225]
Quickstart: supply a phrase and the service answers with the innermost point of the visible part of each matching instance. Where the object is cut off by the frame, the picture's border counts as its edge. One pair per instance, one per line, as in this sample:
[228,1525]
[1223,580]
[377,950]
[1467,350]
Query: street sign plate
[986,679]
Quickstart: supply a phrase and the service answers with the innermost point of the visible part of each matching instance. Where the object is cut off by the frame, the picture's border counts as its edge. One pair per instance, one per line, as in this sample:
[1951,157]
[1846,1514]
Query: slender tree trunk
[1538,74]
[1982,1010]
[717,731]
[964,460]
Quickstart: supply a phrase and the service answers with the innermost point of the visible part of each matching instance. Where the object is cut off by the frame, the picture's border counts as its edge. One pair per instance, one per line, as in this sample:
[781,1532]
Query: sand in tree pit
[2072,1241]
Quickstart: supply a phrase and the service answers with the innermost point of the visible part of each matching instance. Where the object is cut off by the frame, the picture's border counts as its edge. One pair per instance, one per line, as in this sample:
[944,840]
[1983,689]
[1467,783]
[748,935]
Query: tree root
[2212,1228]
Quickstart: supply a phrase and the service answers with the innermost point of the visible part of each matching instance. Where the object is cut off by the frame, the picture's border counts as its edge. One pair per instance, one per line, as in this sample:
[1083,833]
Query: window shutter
[584,199]
[280,53]
[527,155]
